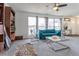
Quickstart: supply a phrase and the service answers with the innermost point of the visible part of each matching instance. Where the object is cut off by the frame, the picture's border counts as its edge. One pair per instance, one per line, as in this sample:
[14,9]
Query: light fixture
[58,5]
[56,8]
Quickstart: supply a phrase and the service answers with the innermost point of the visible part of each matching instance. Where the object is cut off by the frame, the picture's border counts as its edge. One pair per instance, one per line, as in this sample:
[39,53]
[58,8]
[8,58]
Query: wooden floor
[42,48]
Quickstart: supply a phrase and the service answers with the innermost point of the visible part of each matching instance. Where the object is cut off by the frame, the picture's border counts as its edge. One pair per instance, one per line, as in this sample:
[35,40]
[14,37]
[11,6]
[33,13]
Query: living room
[37,23]
[22,25]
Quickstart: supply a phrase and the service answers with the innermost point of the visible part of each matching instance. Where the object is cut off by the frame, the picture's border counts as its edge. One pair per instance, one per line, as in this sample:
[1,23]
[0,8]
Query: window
[31,25]
[41,23]
[54,24]
[57,24]
[50,23]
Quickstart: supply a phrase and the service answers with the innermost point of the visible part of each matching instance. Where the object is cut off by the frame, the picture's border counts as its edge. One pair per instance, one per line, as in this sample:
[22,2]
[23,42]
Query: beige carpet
[25,50]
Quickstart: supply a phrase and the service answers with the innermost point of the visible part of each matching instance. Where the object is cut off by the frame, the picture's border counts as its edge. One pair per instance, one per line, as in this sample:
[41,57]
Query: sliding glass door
[50,23]
[57,24]
[41,23]
[54,24]
[31,25]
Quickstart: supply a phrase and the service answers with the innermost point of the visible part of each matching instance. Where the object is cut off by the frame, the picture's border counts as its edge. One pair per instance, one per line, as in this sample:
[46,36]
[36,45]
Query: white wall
[74,24]
[77,25]
[21,22]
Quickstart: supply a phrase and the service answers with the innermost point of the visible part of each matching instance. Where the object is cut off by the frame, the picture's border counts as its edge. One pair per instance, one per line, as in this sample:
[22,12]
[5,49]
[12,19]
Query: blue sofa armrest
[41,36]
[58,32]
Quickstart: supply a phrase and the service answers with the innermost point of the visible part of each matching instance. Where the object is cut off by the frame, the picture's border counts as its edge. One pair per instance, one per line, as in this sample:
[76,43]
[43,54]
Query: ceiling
[46,8]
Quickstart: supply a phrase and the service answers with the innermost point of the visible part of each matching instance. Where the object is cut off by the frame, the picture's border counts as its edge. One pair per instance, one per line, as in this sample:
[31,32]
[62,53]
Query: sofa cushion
[48,34]
[50,31]
[42,31]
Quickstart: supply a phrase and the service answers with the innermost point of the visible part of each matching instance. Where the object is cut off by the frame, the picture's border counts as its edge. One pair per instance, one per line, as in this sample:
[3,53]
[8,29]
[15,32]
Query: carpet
[25,50]
[56,46]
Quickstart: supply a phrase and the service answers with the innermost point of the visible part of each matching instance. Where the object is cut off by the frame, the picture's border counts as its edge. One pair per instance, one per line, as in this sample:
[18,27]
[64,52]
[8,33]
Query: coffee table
[55,45]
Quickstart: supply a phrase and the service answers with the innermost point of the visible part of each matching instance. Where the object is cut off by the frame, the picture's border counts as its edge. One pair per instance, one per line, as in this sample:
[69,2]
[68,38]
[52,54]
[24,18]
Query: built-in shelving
[7,25]
[1,25]
[10,22]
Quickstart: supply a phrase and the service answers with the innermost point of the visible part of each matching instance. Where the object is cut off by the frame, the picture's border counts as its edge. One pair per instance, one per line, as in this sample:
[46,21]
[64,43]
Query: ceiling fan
[58,5]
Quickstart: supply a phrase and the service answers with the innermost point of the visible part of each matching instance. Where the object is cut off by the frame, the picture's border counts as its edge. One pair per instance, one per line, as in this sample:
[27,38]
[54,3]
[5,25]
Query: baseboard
[72,35]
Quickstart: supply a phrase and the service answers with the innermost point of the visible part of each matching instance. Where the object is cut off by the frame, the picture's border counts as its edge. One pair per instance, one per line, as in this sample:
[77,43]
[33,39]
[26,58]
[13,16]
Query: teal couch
[48,32]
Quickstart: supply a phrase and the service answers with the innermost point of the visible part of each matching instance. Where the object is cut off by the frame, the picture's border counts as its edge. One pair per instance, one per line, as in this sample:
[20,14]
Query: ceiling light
[58,5]
[56,8]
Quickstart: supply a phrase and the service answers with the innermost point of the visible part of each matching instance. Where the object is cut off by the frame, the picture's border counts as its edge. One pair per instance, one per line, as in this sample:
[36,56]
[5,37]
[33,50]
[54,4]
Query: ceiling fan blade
[62,5]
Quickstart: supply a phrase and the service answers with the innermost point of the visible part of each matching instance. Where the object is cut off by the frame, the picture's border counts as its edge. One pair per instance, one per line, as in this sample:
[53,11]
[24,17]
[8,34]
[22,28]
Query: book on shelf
[1,29]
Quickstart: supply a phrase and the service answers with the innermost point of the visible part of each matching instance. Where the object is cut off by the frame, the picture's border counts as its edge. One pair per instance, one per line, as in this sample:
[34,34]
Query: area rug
[25,50]
[56,46]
